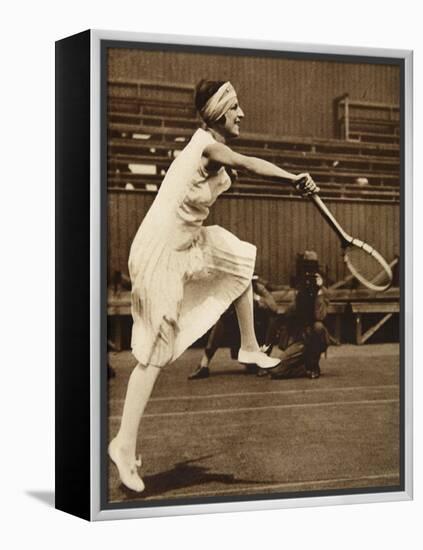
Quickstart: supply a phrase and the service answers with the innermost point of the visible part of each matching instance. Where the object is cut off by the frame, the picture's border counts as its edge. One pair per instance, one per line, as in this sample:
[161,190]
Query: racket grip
[331,220]
[299,184]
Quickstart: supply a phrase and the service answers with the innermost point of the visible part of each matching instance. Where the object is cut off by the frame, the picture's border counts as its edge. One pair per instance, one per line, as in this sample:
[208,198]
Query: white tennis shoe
[257,358]
[127,468]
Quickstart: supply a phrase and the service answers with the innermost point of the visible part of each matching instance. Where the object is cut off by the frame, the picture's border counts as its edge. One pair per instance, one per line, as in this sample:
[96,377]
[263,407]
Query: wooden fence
[280,227]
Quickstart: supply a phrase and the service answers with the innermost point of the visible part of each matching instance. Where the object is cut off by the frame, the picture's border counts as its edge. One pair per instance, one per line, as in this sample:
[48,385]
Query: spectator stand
[150,123]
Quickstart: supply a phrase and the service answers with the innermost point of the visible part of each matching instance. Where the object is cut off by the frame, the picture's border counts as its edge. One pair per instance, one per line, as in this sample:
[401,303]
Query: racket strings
[368,267]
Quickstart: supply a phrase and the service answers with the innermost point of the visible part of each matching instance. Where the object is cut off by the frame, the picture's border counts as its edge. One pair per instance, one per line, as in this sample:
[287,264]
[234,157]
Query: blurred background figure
[298,337]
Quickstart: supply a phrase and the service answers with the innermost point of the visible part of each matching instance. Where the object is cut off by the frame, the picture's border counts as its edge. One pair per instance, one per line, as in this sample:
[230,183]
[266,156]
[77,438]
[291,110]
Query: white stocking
[245,313]
[140,386]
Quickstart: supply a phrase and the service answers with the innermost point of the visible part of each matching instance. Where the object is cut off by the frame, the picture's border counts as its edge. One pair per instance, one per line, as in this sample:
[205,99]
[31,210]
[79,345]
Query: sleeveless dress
[184,275]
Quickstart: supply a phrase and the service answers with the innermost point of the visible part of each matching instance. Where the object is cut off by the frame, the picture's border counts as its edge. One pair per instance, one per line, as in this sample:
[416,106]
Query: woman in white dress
[185,275]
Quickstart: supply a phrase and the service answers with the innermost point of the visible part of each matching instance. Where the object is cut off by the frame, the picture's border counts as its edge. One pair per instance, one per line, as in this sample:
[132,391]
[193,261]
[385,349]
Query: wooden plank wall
[279,227]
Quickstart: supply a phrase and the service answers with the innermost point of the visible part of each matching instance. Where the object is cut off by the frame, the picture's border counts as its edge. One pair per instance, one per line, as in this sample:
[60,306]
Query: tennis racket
[363,261]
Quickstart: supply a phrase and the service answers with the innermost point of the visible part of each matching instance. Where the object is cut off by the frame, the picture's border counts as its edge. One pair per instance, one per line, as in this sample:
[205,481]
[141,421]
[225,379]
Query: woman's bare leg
[245,314]
[122,449]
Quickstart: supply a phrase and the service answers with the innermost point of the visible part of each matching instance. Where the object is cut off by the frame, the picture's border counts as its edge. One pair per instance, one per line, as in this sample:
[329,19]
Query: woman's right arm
[219,154]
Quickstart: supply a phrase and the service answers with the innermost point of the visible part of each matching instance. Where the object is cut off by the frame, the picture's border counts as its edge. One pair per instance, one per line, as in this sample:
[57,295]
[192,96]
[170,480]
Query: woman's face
[233,117]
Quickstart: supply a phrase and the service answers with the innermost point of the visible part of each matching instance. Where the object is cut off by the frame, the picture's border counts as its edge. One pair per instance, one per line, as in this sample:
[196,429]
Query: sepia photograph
[254,275]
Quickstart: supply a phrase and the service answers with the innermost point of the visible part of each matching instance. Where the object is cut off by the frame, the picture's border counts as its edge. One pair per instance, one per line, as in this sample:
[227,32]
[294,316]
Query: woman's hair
[204,90]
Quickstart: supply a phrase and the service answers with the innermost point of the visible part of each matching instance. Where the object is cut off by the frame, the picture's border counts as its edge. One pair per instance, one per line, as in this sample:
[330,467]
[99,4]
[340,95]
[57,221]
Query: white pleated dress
[184,275]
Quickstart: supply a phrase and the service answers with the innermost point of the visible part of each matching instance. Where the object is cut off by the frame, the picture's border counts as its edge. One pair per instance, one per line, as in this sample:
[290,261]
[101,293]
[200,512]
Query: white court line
[280,486]
[262,393]
[267,407]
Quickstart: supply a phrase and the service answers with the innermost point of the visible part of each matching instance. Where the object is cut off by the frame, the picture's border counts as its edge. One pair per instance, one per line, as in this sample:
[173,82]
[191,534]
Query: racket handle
[330,219]
[326,213]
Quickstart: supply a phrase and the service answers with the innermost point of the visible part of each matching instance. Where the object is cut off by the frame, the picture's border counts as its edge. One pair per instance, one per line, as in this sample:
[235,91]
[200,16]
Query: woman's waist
[185,233]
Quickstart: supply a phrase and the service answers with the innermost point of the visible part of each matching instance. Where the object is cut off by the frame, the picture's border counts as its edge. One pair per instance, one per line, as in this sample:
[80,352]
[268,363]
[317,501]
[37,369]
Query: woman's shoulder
[201,135]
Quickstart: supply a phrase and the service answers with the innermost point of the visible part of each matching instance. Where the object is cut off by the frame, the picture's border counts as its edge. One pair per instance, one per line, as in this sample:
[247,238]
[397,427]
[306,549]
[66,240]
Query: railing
[367,121]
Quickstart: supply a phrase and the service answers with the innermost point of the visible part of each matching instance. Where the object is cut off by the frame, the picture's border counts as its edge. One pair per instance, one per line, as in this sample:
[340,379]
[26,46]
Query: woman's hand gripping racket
[364,262]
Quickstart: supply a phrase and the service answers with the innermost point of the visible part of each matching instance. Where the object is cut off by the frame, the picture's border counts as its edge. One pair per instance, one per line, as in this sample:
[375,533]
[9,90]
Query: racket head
[367,265]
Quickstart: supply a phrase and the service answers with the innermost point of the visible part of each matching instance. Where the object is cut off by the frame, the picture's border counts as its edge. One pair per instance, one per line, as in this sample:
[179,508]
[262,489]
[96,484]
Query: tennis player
[185,275]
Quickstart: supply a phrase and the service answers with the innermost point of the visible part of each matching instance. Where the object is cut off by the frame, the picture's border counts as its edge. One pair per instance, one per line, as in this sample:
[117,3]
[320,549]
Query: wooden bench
[246,185]
[125,147]
[331,153]
[380,181]
[358,302]
[359,309]
[119,306]
[332,162]
[145,149]
[159,145]
[268,142]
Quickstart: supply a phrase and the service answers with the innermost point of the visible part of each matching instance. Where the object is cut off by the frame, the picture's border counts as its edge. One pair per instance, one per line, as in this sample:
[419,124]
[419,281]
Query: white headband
[219,103]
